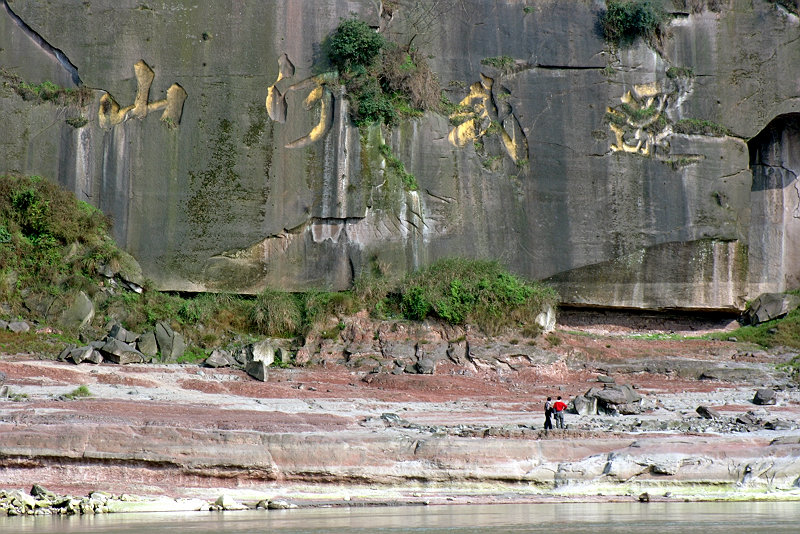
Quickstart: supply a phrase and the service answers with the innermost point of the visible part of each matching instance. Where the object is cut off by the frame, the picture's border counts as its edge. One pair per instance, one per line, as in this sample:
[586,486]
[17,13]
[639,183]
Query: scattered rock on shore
[615,399]
[707,412]
[122,346]
[765,397]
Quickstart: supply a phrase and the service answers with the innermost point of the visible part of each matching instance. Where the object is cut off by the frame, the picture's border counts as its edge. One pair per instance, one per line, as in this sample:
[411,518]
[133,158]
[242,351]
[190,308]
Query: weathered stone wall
[258,177]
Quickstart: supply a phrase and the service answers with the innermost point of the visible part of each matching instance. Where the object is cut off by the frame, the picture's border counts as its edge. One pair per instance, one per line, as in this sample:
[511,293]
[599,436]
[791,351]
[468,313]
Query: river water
[574,518]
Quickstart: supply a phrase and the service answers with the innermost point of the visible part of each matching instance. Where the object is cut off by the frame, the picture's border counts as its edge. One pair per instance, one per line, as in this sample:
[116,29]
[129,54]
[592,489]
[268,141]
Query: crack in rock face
[44,45]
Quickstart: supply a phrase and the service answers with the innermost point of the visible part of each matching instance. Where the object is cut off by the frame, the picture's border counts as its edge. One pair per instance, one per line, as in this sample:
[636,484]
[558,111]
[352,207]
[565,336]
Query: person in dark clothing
[548,411]
[558,409]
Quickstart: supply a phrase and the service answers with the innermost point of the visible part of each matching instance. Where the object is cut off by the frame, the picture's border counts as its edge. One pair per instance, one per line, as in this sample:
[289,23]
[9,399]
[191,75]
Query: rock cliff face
[662,175]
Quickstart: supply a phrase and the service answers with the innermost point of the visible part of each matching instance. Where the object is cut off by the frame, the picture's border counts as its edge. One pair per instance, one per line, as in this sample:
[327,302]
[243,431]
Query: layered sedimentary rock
[661,175]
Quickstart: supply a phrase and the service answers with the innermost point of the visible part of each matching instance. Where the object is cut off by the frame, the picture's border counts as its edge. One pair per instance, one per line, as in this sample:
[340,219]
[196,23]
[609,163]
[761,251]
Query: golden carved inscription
[639,123]
[480,114]
[110,112]
[319,97]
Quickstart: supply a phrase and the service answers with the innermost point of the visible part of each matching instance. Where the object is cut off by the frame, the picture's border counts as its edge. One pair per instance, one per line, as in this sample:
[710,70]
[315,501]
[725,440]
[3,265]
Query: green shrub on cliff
[353,46]
[384,81]
[483,293]
[502,63]
[626,20]
[369,103]
[398,169]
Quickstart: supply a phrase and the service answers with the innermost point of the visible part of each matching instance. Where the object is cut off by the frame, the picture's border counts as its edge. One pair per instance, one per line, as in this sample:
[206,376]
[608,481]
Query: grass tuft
[80,392]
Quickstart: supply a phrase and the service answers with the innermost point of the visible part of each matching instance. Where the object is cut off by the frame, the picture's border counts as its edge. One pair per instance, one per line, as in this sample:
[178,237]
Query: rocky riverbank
[337,433]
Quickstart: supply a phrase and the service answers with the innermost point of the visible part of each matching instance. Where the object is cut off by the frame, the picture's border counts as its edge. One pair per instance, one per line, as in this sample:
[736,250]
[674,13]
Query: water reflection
[574,518]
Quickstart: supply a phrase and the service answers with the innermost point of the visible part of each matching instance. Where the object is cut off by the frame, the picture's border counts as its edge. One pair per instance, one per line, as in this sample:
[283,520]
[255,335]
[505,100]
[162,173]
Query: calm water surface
[628,518]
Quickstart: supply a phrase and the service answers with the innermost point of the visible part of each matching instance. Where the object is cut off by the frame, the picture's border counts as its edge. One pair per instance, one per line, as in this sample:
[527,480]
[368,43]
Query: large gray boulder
[83,354]
[257,369]
[117,331]
[584,405]
[765,397]
[426,365]
[547,319]
[116,351]
[267,350]
[219,358]
[147,344]
[257,357]
[264,351]
[770,306]
[129,272]
[65,352]
[616,399]
[170,343]
[79,313]
[19,327]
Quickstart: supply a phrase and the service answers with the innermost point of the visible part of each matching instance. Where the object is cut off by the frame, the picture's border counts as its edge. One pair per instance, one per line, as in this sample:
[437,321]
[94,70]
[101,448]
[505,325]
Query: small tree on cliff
[354,45]
[400,84]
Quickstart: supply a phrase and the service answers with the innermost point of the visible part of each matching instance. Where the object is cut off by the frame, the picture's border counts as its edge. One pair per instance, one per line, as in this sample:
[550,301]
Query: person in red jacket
[558,409]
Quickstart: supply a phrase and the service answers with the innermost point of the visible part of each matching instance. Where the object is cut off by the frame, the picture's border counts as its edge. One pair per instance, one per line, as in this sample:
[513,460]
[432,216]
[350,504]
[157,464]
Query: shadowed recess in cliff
[47,47]
[775,153]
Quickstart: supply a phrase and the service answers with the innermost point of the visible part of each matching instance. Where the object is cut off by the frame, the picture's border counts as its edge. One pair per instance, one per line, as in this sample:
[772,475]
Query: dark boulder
[616,399]
[219,358]
[257,369]
[770,306]
[765,397]
[116,351]
[170,343]
[707,412]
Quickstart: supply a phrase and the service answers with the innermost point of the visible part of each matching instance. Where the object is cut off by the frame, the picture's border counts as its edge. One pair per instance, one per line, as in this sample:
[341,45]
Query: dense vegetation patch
[385,82]
[503,63]
[79,392]
[483,293]
[37,222]
[626,20]
[397,167]
[680,72]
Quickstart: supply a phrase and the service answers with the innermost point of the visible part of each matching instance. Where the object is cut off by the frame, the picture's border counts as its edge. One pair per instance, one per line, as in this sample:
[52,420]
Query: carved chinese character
[110,112]
[483,118]
[319,94]
[639,124]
